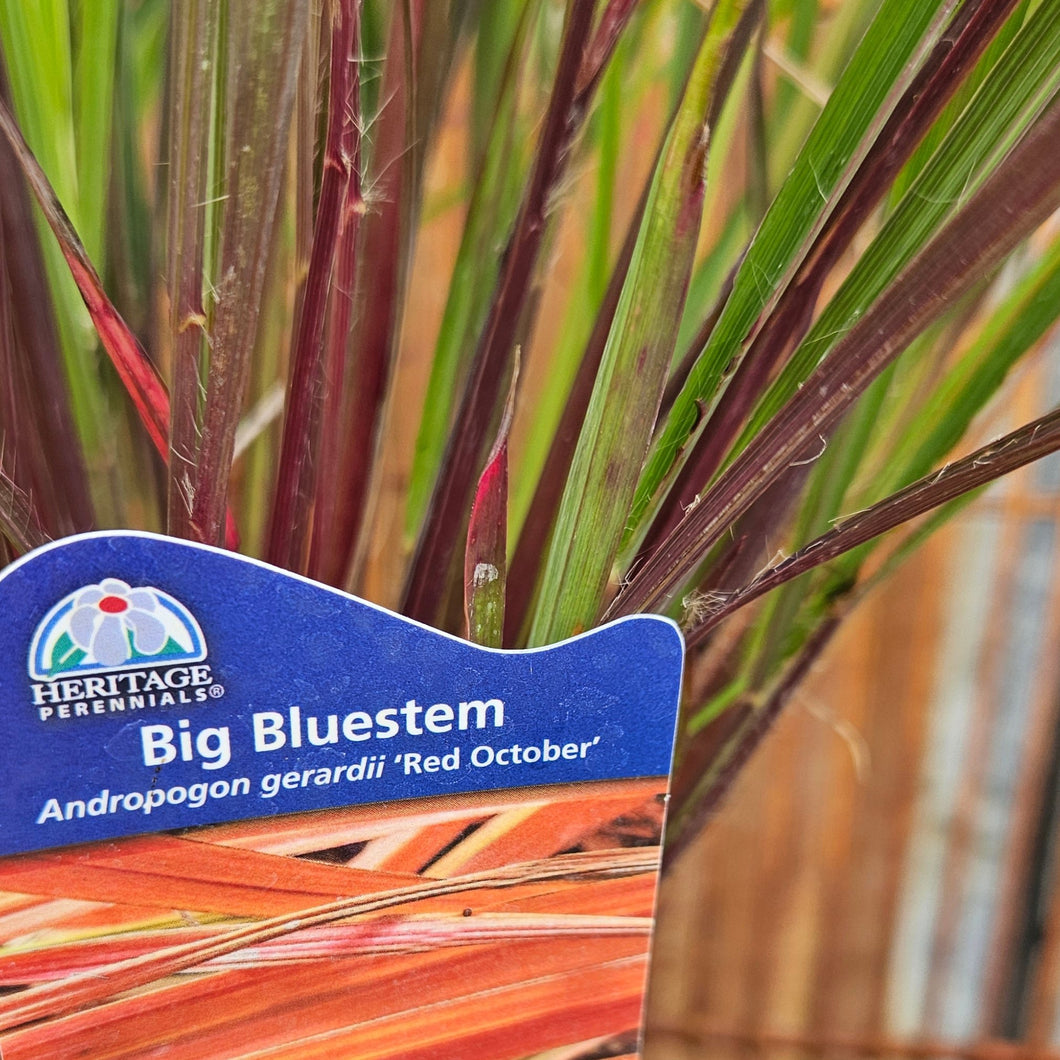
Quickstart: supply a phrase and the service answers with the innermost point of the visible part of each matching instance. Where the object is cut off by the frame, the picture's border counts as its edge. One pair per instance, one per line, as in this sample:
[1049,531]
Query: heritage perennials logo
[110,648]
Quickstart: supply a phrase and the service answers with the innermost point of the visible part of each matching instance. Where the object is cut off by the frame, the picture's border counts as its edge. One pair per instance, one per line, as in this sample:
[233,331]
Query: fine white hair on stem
[698,606]
[812,459]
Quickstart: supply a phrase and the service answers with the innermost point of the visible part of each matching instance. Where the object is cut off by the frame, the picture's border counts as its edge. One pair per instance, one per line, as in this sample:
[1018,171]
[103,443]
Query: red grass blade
[485,558]
[41,446]
[138,375]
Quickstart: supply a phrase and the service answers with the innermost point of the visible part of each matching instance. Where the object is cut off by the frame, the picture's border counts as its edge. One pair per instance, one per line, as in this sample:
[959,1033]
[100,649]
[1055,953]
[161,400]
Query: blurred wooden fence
[882,880]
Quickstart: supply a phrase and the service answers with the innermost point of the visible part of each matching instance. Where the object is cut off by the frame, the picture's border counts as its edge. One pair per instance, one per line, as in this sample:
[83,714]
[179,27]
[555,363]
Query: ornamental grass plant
[518,316]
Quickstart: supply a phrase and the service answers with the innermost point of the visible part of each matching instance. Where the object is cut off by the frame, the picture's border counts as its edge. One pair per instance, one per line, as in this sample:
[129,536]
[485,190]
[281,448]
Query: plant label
[215,733]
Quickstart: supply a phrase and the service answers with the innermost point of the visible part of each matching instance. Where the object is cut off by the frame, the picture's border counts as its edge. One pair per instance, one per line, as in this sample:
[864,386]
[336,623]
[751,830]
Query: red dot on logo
[113,605]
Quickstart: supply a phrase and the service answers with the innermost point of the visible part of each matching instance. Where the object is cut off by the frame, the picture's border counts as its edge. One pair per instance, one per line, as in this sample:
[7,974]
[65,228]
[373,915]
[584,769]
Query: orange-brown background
[881,880]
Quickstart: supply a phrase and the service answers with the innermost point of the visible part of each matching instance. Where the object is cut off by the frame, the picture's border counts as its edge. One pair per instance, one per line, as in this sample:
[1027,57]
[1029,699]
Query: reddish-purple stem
[1014,450]
[443,528]
[602,46]
[290,518]
[347,469]
[188,173]
[330,495]
[264,47]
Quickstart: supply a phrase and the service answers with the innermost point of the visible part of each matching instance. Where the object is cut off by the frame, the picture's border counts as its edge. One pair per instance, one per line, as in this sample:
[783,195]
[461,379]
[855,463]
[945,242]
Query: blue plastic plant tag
[152,684]
[247,815]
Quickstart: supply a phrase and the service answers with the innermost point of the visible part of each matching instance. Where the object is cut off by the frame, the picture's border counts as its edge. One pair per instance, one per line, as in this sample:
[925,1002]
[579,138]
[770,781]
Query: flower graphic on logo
[107,615]
[114,626]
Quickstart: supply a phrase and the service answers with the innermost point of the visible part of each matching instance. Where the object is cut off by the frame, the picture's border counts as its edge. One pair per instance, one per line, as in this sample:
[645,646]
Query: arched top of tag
[141,665]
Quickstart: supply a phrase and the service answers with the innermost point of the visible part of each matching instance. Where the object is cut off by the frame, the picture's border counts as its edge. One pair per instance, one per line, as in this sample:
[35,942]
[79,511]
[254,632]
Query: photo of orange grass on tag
[500,925]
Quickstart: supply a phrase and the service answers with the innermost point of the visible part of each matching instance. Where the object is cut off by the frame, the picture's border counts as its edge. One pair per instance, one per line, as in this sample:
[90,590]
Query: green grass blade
[36,423]
[39,61]
[636,360]
[840,36]
[524,571]
[1019,322]
[956,106]
[499,27]
[39,64]
[1012,203]
[940,75]
[95,33]
[132,246]
[587,296]
[886,62]
[443,527]
[264,45]
[803,15]
[138,375]
[1025,74]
